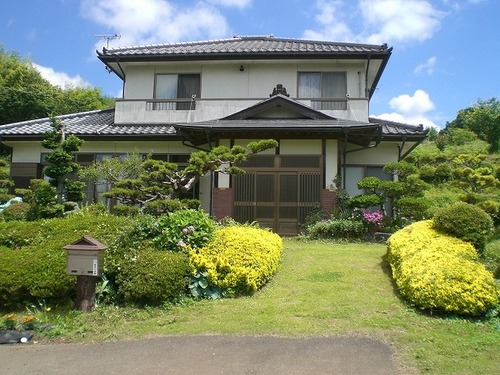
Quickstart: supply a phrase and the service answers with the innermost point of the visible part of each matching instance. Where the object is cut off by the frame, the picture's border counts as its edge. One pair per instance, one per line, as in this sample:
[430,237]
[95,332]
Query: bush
[191,228]
[365,201]
[239,259]
[16,212]
[440,273]
[492,208]
[33,261]
[161,207]
[152,277]
[337,229]
[412,208]
[465,221]
[124,210]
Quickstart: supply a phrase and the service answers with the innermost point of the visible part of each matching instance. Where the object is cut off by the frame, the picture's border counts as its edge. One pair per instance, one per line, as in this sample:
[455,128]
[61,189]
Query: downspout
[401,157]
[400,148]
[345,152]
[367,90]
[344,158]
[184,143]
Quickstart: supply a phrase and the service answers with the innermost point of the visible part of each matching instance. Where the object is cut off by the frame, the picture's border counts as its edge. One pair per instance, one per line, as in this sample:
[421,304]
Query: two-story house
[311,96]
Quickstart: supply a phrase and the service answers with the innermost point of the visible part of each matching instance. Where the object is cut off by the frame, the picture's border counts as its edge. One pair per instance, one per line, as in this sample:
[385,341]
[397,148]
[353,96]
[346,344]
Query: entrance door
[279,200]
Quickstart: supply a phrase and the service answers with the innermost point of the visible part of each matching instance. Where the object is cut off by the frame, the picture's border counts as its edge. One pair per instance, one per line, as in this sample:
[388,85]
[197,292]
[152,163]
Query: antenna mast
[108,37]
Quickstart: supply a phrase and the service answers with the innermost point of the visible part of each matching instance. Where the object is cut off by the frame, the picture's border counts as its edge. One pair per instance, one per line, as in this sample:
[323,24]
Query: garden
[431,290]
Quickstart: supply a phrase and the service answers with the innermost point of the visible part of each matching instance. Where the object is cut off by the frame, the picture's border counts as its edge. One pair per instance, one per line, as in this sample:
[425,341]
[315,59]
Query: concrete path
[224,354]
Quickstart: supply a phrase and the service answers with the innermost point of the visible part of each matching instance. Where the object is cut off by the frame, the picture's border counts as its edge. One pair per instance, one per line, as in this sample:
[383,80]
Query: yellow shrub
[438,272]
[239,259]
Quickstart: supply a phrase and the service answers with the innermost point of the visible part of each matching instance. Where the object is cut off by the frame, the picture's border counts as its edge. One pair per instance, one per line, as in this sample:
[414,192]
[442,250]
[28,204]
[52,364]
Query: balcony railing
[203,109]
[170,104]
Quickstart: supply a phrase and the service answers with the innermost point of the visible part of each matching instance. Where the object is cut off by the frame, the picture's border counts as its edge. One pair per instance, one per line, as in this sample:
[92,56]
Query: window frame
[176,103]
[335,102]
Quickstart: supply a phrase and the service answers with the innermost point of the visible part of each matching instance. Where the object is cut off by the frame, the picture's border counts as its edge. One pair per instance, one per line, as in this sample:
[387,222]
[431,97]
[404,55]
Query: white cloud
[155,21]
[60,79]
[411,109]
[427,67]
[331,18]
[378,21]
[232,3]
[400,20]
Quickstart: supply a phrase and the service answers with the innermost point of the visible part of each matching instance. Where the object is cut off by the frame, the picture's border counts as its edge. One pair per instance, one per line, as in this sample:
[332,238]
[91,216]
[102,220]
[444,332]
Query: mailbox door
[84,264]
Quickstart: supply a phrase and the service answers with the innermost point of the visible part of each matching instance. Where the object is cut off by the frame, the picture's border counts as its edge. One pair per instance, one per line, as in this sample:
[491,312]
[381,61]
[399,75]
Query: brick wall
[328,200]
[222,203]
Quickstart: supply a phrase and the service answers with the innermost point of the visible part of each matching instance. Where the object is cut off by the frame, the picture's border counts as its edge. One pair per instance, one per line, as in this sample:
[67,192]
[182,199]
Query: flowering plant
[373,219]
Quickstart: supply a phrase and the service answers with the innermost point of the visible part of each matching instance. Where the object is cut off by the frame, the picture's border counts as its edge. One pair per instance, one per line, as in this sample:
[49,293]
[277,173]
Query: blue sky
[446,52]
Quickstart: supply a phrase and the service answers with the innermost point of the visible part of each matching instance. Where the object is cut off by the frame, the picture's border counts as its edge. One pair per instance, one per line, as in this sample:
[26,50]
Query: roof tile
[250,44]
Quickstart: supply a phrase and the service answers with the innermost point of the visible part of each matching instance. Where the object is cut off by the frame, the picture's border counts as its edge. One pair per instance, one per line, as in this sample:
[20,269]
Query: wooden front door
[279,198]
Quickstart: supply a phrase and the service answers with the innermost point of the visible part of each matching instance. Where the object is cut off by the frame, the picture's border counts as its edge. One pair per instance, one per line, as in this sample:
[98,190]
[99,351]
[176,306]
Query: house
[311,96]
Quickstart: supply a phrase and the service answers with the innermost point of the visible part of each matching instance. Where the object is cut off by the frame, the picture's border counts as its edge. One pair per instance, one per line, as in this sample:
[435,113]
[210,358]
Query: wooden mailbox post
[85,259]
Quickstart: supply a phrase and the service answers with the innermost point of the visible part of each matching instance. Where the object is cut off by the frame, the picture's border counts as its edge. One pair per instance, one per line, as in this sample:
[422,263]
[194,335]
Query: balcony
[155,111]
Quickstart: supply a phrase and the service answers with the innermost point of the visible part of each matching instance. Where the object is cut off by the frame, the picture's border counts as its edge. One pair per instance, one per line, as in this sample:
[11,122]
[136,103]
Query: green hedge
[440,273]
[33,261]
[239,259]
[337,229]
[152,277]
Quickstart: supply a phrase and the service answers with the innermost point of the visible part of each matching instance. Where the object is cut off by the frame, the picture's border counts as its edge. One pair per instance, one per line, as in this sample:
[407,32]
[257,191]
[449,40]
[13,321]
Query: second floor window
[324,85]
[177,86]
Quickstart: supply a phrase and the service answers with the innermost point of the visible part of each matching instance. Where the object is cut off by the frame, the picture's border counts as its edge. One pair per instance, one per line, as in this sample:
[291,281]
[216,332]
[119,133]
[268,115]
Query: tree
[403,195]
[61,162]
[483,119]
[26,95]
[6,184]
[154,180]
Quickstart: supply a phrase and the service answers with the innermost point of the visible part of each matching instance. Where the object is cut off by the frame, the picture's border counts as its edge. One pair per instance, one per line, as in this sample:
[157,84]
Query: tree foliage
[26,95]
[483,119]
[61,162]
[6,184]
[145,181]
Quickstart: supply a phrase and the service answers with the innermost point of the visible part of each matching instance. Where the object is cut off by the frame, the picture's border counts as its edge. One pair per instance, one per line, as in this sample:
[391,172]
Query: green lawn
[320,289]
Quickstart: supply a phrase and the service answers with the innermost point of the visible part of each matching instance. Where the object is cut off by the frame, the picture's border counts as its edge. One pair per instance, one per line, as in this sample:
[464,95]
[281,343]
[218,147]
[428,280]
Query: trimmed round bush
[467,222]
[152,277]
[239,259]
[16,212]
[437,272]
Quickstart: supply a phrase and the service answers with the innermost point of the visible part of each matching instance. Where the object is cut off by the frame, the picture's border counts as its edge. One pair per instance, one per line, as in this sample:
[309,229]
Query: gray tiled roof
[290,124]
[101,123]
[397,129]
[247,45]
[92,123]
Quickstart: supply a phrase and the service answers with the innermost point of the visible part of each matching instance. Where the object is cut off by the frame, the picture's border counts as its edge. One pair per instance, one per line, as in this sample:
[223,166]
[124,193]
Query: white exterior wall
[226,90]
[331,161]
[25,152]
[380,155]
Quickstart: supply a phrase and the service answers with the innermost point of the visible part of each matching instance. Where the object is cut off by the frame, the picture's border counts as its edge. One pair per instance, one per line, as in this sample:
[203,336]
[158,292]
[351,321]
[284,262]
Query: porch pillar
[328,200]
[222,203]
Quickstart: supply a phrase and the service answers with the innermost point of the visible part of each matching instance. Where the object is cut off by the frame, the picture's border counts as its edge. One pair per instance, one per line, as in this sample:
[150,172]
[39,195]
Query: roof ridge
[269,37]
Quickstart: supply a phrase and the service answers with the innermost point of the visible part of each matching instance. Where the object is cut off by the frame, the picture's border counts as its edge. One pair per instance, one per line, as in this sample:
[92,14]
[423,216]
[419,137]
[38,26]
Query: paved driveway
[206,355]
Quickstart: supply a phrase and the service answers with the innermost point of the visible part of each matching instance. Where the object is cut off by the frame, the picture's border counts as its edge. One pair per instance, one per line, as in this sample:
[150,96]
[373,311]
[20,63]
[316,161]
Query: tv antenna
[108,37]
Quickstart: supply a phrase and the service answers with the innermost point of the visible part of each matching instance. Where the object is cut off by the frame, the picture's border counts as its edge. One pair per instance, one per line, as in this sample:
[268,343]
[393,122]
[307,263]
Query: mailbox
[85,257]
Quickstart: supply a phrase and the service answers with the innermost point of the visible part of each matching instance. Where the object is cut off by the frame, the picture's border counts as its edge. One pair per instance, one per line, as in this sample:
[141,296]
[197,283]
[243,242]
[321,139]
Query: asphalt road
[219,354]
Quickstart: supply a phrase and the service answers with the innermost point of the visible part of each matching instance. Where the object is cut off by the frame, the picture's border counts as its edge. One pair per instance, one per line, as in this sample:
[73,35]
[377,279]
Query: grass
[321,289]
